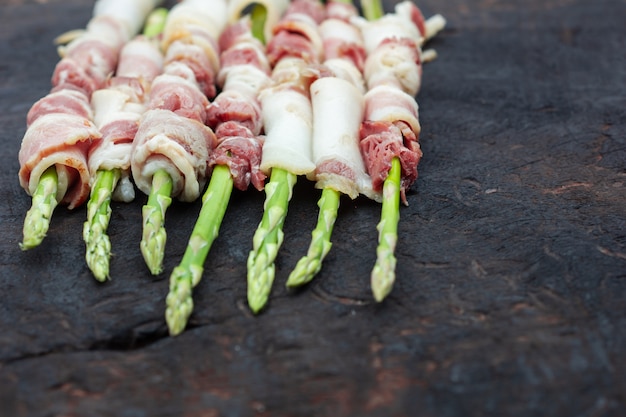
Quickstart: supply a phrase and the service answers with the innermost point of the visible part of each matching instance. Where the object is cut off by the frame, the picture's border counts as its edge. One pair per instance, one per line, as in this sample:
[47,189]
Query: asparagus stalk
[154,235]
[189,272]
[310,264]
[155,23]
[372,9]
[98,217]
[268,237]
[215,200]
[384,271]
[38,217]
[98,244]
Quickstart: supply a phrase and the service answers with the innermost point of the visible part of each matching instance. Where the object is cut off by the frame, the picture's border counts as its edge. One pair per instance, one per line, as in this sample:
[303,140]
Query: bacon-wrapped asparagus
[338,107]
[390,132]
[172,146]
[53,154]
[287,118]
[117,109]
[235,116]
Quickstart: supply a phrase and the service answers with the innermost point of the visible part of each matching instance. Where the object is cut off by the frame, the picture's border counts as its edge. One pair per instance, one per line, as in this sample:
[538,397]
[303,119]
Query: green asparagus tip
[98,244]
[38,217]
[383,274]
[259,17]
[155,22]
[268,237]
[372,9]
[189,272]
[179,301]
[154,235]
[308,266]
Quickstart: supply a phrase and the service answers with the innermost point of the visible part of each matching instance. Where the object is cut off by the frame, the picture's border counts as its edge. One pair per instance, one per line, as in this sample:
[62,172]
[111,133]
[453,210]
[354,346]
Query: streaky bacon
[233,106]
[381,141]
[173,93]
[62,101]
[195,59]
[393,71]
[235,114]
[296,34]
[240,150]
[62,140]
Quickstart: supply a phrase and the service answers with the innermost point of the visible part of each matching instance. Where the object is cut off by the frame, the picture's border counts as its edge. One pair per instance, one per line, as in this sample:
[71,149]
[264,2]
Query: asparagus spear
[154,235]
[94,229]
[98,244]
[310,264]
[189,272]
[215,200]
[268,237]
[38,217]
[372,9]
[384,271]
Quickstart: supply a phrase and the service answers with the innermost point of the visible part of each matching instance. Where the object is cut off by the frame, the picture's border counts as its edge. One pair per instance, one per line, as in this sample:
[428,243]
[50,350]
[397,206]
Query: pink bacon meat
[235,115]
[59,126]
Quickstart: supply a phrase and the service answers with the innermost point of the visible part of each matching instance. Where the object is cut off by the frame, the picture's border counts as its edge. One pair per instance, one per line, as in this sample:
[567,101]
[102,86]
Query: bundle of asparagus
[201,97]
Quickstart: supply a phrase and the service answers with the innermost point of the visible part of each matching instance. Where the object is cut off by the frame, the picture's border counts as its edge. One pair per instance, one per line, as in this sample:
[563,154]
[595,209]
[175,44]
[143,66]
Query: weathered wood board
[511,291]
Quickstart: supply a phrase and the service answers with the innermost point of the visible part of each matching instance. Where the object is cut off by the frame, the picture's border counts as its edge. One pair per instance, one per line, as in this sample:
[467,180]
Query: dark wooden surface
[511,290]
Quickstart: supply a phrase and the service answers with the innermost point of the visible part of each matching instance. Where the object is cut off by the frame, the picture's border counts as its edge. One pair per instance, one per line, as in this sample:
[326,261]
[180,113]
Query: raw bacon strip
[288,118]
[296,35]
[235,115]
[60,140]
[295,51]
[62,101]
[335,138]
[341,38]
[178,145]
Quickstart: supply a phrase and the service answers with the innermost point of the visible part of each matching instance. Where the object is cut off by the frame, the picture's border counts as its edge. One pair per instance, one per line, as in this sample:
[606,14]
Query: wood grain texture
[511,290]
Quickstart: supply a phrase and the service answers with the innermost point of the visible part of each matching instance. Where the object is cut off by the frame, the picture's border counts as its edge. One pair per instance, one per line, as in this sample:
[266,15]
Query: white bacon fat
[286,105]
[288,118]
[338,107]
